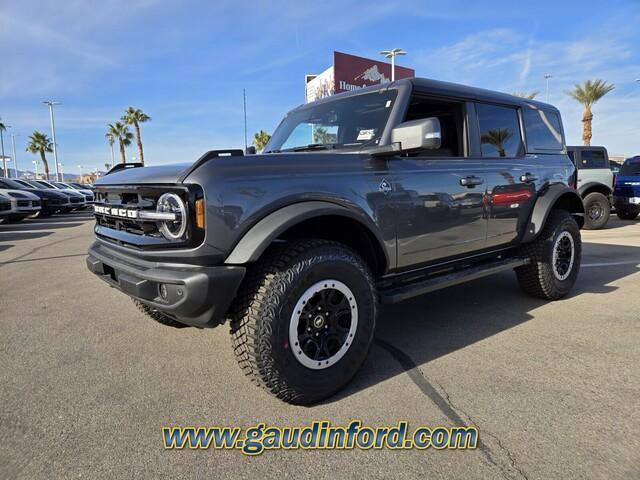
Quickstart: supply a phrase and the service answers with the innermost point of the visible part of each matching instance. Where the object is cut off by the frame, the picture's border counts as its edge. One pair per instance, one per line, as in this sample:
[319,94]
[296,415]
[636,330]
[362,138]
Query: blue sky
[185,63]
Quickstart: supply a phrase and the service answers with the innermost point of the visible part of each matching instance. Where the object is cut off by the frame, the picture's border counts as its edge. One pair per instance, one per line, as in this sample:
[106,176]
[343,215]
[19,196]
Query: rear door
[512,176]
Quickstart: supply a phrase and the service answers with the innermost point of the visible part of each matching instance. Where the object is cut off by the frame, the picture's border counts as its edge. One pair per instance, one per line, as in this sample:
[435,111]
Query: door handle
[528,178]
[471,181]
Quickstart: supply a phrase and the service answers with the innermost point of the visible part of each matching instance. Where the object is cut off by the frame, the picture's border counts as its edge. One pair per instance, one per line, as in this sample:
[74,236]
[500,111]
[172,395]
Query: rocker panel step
[398,293]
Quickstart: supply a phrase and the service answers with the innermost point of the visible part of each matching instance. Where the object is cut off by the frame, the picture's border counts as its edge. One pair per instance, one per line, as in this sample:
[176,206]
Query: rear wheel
[597,210]
[304,320]
[158,316]
[555,258]
[626,214]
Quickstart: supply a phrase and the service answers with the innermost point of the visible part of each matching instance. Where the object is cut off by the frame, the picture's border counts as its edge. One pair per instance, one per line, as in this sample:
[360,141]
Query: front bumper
[625,203]
[195,295]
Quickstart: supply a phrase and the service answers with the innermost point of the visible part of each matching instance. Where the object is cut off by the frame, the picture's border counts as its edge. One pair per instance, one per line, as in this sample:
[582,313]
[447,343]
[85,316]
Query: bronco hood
[161,174]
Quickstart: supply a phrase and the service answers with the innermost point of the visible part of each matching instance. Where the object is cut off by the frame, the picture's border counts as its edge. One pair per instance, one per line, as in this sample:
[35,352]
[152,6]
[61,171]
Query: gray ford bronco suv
[367,197]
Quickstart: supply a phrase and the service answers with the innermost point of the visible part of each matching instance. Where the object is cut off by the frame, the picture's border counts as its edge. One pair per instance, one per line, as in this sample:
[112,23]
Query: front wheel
[304,320]
[555,258]
[626,214]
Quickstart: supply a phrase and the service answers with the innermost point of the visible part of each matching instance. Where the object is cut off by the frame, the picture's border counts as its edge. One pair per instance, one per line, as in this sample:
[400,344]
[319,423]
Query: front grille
[35,203]
[5,206]
[138,232]
[24,203]
[76,200]
[55,201]
[88,198]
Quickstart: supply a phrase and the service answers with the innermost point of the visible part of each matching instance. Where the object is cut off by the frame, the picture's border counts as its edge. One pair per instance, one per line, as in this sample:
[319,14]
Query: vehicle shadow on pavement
[5,246]
[17,227]
[17,235]
[418,331]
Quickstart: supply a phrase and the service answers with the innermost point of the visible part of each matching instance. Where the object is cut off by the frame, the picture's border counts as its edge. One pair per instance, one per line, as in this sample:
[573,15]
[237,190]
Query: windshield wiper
[312,146]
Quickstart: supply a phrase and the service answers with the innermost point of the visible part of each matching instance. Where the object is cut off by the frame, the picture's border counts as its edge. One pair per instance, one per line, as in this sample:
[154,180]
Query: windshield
[11,184]
[630,167]
[44,184]
[342,123]
[61,185]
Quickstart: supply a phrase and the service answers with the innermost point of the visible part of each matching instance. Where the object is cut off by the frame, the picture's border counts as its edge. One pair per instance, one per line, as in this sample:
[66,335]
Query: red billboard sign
[352,72]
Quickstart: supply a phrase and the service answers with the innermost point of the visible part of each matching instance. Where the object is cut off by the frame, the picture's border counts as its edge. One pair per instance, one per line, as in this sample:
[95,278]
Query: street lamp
[392,54]
[4,160]
[35,163]
[51,104]
[547,76]
[15,159]
[80,168]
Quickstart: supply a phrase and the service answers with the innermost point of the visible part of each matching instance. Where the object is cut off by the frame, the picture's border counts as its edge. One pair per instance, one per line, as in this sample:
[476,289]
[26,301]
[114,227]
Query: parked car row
[20,199]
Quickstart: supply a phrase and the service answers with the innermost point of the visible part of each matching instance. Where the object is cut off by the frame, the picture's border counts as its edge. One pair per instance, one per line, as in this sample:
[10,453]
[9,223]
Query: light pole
[4,160]
[15,159]
[51,104]
[392,54]
[61,173]
[80,168]
[113,160]
[547,76]
[35,164]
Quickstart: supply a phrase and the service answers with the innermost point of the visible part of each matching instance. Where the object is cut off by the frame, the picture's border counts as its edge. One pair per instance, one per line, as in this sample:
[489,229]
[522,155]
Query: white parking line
[29,224]
[611,264]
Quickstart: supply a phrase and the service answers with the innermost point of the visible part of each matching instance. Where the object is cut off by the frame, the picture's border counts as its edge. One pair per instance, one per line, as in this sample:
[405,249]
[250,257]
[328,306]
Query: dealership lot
[88,381]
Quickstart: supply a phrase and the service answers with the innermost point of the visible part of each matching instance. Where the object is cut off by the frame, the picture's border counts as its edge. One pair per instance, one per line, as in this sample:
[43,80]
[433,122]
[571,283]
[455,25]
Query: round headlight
[172,203]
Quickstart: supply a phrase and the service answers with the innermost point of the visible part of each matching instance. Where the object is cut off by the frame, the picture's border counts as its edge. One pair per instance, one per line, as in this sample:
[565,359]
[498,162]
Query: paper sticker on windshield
[366,134]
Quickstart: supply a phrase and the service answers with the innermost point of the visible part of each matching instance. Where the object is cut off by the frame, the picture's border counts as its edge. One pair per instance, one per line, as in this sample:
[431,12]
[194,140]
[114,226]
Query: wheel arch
[591,187]
[313,219]
[556,197]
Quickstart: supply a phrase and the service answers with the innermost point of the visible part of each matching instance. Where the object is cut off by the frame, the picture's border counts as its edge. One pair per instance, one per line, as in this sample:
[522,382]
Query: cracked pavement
[88,381]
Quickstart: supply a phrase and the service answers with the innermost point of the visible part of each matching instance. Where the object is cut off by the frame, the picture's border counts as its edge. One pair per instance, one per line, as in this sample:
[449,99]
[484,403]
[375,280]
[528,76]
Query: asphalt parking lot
[87,381]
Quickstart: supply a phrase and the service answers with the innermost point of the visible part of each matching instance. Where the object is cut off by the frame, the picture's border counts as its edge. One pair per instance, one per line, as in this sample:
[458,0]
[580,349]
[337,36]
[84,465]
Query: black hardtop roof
[584,147]
[437,87]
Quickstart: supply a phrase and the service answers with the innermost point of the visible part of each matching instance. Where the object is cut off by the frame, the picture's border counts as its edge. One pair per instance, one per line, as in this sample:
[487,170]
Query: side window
[592,159]
[451,117]
[542,129]
[499,131]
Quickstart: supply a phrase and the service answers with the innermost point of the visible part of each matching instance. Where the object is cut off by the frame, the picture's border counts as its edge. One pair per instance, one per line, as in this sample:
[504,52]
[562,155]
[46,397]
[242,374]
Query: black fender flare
[587,186]
[256,240]
[555,195]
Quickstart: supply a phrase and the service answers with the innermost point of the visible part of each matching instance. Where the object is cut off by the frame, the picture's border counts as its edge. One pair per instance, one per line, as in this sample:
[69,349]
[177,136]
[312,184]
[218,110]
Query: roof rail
[122,166]
[211,154]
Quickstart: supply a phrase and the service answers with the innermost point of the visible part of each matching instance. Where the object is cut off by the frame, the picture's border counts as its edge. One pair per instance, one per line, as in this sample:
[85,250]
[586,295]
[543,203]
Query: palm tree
[497,137]
[588,94]
[40,143]
[528,96]
[135,116]
[261,139]
[119,132]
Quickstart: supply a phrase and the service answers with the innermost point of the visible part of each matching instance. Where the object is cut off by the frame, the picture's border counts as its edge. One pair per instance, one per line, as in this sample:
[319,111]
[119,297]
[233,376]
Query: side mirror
[422,134]
[251,150]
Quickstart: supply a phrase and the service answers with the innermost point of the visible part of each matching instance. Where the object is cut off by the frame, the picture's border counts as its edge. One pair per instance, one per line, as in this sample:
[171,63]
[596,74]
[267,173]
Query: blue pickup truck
[626,195]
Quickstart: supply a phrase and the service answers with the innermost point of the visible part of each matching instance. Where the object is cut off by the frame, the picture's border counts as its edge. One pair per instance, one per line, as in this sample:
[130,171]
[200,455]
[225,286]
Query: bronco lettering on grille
[116,212]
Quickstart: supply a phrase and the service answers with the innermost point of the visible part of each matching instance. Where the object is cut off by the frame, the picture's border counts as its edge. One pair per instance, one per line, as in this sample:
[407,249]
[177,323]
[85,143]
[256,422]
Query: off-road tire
[626,214]
[591,200]
[157,315]
[538,278]
[263,310]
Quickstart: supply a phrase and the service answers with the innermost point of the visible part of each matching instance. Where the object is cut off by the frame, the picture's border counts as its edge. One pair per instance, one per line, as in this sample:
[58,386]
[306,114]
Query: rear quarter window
[630,167]
[543,130]
[592,159]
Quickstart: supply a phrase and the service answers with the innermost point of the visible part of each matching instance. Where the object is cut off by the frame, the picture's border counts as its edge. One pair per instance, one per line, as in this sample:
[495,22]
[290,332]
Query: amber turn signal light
[200,213]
